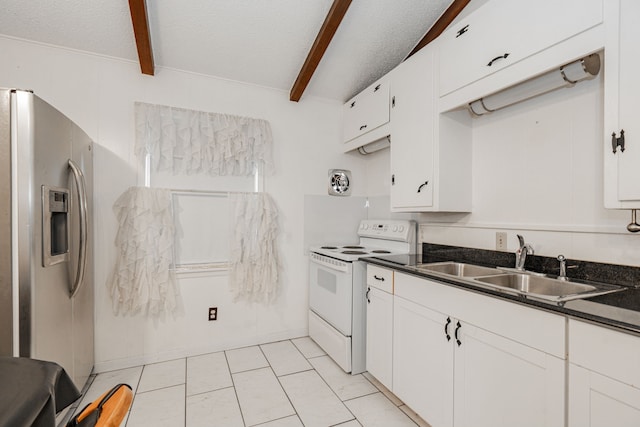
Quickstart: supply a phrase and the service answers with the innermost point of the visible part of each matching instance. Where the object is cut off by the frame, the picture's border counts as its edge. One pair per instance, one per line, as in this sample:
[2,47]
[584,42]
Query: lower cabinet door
[502,383]
[380,335]
[423,361]
[599,401]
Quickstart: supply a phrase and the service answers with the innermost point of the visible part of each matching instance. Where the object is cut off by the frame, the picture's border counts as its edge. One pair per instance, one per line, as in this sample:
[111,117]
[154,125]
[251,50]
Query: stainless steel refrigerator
[46,250]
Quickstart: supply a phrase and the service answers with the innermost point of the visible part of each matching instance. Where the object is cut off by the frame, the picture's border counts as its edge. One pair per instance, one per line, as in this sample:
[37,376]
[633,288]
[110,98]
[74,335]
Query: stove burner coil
[353,247]
[328,247]
[380,251]
[354,252]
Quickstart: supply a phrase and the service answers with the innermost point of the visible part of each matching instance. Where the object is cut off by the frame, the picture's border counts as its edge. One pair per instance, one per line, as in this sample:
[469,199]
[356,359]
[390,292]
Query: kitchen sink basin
[529,284]
[545,287]
[458,269]
[537,285]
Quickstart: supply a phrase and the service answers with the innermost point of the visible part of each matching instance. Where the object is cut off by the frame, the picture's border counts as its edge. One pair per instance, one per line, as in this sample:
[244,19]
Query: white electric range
[337,288]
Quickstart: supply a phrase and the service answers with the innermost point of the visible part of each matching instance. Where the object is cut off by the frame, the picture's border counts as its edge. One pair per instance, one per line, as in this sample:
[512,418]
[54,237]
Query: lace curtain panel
[190,142]
[253,257]
[142,280]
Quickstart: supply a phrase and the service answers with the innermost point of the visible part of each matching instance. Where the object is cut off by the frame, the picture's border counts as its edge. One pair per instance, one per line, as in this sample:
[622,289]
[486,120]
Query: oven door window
[330,296]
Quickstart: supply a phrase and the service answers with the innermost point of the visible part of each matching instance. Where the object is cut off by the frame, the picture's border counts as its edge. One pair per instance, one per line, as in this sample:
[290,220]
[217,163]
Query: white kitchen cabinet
[423,361]
[501,382]
[503,32]
[463,359]
[367,112]
[380,324]
[430,161]
[621,94]
[380,335]
[604,377]
[596,400]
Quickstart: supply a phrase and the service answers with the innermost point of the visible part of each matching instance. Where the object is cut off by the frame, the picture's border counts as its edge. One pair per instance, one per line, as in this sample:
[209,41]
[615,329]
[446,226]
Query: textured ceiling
[263,42]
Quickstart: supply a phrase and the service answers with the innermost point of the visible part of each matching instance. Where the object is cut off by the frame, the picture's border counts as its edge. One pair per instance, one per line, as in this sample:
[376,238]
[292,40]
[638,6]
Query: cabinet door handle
[497,58]
[458,326]
[393,101]
[353,104]
[376,88]
[393,179]
[462,30]
[367,295]
[378,278]
[617,142]
[363,127]
[422,185]
[446,329]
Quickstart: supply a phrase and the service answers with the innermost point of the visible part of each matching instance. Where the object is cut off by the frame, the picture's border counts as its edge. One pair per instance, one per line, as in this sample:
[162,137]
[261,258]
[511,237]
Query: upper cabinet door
[366,111]
[412,132]
[503,32]
[621,92]
[430,152]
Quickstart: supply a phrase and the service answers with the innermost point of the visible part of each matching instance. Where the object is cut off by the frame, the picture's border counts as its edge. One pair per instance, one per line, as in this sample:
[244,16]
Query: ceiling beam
[329,27]
[441,24]
[140,22]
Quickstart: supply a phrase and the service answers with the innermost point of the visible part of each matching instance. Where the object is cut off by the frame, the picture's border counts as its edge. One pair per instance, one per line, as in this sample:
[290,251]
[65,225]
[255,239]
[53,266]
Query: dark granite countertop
[620,310]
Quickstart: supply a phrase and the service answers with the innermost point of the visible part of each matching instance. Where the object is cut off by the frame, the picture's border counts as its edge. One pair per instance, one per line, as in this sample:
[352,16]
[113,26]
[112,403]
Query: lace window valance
[191,142]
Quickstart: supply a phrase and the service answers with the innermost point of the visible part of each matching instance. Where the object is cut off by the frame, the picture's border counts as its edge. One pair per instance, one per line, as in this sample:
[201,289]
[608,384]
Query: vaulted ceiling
[263,42]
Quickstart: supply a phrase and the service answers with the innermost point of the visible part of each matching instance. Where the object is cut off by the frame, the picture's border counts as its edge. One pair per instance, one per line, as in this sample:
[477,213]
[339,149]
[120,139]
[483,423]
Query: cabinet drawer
[611,353]
[503,32]
[366,111]
[380,278]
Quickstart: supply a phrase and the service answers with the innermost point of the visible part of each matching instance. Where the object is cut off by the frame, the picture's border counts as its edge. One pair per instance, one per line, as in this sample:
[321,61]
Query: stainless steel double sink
[522,283]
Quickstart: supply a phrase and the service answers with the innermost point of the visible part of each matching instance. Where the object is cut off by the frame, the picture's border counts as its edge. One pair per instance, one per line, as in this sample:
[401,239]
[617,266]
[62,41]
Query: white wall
[98,94]
[538,171]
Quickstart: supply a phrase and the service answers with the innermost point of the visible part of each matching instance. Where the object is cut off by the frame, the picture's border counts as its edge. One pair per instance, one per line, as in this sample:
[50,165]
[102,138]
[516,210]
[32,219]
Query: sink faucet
[522,252]
[563,267]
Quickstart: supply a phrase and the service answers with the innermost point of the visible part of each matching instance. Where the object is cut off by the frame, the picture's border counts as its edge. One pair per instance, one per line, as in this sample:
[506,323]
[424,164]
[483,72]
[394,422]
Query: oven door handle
[367,295]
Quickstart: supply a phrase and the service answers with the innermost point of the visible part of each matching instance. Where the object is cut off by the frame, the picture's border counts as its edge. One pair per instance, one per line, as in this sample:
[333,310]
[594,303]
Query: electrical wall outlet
[213,313]
[501,241]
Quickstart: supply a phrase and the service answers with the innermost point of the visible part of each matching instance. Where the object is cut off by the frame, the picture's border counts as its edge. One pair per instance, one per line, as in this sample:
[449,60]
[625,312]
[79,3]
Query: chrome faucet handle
[563,267]
[522,252]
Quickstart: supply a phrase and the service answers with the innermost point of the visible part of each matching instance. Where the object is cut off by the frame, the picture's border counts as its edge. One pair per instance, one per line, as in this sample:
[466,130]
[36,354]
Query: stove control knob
[395,228]
[401,229]
[365,226]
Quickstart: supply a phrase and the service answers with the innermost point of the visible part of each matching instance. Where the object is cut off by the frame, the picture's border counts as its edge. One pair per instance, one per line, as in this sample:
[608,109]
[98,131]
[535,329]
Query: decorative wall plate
[339,182]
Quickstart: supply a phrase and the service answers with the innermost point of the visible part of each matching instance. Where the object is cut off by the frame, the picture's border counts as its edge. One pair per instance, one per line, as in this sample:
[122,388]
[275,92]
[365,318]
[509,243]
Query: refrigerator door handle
[82,205]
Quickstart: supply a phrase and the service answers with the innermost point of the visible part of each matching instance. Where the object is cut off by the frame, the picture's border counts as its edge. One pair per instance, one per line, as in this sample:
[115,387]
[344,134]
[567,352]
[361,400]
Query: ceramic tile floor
[288,383]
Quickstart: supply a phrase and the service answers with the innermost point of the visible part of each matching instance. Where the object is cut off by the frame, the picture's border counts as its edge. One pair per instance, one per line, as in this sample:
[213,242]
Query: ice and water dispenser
[55,225]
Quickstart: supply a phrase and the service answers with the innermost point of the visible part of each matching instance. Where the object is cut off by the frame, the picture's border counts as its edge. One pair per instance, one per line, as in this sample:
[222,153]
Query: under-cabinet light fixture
[375,146]
[567,76]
